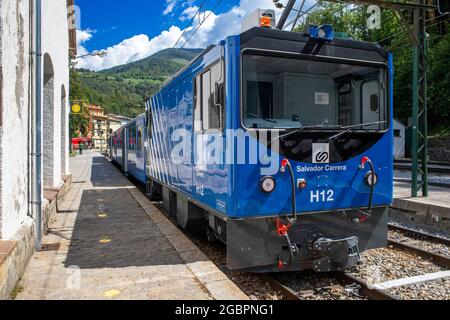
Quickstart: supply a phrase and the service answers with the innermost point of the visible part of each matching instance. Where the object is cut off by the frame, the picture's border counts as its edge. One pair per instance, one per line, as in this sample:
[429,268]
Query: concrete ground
[437,195]
[109,242]
[433,211]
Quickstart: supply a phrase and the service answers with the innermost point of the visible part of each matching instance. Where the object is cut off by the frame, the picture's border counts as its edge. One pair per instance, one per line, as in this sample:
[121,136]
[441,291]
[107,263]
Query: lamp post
[97,53]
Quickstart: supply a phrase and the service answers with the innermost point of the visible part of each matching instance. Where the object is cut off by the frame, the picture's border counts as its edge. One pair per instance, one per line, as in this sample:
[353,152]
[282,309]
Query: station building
[37,38]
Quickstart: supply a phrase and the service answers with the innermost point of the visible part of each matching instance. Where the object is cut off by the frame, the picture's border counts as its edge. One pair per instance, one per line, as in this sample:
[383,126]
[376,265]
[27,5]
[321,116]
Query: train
[278,144]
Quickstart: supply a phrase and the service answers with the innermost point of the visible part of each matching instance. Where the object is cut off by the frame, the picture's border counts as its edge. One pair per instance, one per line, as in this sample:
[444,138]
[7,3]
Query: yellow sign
[76,108]
[111,294]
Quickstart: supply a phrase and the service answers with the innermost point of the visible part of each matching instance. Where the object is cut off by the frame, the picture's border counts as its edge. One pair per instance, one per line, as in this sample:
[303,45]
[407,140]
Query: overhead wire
[191,22]
[202,22]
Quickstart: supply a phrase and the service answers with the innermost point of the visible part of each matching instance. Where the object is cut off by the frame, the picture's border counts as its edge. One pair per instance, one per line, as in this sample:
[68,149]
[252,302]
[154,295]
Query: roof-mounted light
[260,18]
[324,32]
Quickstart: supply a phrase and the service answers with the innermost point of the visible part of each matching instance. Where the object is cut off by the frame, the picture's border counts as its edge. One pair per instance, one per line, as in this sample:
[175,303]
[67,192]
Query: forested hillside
[123,89]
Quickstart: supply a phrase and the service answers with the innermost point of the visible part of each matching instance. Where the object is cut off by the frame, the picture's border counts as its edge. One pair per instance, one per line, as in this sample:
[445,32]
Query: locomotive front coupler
[337,255]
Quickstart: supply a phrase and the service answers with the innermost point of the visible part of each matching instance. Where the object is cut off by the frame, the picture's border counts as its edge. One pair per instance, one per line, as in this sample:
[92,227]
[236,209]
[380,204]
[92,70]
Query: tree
[79,125]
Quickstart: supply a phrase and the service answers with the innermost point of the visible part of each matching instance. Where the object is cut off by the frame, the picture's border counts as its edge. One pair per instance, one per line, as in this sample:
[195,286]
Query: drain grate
[50,247]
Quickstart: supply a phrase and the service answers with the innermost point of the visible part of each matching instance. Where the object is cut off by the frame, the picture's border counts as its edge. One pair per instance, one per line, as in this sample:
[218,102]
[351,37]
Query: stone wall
[16,98]
[49,131]
[13,268]
[1,202]
[1,117]
[17,103]
[17,116]
[439,149]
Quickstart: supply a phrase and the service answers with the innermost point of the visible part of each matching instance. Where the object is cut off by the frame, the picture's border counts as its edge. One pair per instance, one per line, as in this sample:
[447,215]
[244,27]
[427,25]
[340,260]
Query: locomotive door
[371,103]
[210,175]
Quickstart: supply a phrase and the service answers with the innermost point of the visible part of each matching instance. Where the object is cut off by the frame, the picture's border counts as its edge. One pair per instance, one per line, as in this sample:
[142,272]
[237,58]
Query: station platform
[107,241]
[433,210]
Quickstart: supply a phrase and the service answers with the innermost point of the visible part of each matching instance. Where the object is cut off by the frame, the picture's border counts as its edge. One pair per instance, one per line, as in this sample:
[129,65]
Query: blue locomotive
[279,144]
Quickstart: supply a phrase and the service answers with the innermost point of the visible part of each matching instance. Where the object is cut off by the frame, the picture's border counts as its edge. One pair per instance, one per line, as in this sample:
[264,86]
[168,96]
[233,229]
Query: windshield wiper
[269,120]
[350,128]
[258,117]
[319,126]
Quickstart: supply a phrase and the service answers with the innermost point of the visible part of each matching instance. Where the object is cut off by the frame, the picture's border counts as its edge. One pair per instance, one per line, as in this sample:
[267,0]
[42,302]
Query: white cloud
[188,13]
[129,50]
[83,36]
[170,5]
[216,27]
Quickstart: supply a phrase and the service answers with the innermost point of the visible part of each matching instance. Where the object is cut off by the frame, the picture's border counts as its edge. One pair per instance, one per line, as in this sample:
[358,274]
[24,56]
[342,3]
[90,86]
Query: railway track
[435,258]
[348,283]
[405,230]
[434,167]
[359,287]
[426,254]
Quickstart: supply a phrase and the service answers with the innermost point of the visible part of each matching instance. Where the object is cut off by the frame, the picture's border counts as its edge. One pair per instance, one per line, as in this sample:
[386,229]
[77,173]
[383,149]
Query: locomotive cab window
[284,92]
[209,98]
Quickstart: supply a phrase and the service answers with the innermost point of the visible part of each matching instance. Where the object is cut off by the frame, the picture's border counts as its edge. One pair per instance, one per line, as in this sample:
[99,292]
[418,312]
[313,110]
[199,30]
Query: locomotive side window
[215,119]
[198,105]
[206,98]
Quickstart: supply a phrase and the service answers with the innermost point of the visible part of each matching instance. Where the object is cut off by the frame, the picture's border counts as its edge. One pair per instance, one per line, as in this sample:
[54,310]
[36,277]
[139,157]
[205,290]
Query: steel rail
[434,257]
[366,289]
[343,277]
[288,293]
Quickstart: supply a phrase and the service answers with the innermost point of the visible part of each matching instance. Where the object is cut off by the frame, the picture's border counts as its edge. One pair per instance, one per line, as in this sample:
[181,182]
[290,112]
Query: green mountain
[123,89]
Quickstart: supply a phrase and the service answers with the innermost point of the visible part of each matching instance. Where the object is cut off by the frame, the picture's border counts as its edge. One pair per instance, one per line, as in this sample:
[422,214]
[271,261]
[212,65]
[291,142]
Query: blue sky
[135,29]
[124,19]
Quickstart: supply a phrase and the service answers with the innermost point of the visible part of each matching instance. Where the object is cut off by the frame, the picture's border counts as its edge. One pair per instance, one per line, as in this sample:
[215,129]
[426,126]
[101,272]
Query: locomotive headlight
[370,178]
[268,184]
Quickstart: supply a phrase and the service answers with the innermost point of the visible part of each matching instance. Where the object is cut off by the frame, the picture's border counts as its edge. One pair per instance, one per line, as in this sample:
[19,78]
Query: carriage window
[132,140]
[209,96]
[139,141]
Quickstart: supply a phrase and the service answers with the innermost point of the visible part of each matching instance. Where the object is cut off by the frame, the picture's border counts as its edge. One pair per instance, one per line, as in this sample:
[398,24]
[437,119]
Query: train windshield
[292,93]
